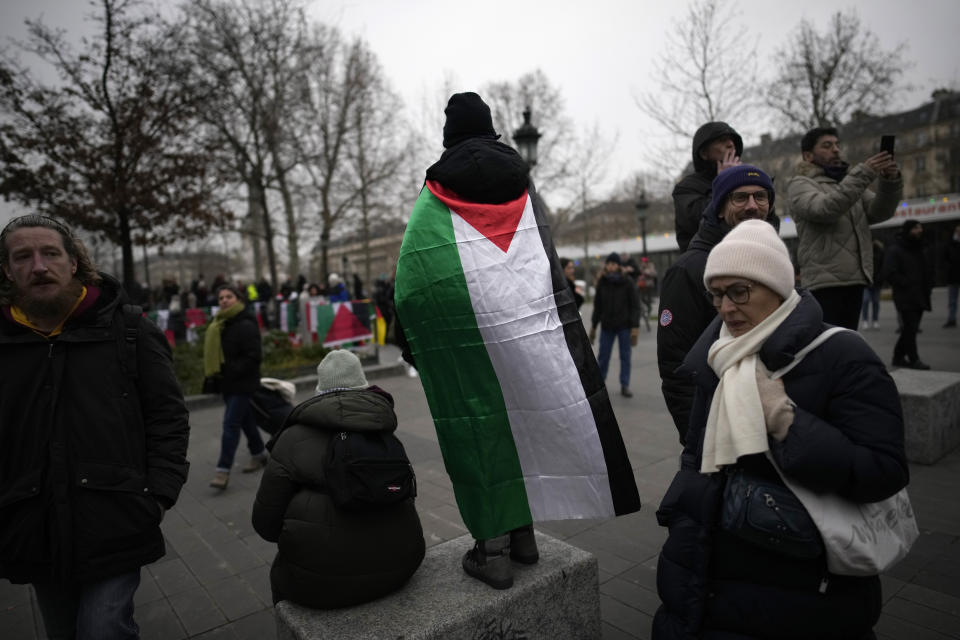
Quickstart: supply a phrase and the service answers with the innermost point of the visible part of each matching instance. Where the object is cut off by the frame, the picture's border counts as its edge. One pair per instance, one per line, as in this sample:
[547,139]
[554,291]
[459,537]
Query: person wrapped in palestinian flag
[522,415]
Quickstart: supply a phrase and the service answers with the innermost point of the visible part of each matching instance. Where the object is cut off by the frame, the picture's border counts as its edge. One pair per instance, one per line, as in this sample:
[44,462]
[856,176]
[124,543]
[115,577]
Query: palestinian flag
[350,322]
[522,416]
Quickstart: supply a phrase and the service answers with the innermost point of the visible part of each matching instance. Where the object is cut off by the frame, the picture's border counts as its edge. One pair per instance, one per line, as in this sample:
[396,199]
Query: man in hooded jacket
[717,147]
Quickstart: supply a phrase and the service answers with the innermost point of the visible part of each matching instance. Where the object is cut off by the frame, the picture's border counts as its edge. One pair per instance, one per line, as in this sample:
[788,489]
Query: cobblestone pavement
[213,582]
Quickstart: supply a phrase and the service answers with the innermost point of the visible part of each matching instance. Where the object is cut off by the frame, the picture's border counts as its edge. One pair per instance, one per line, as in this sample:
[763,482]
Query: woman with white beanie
[832,424]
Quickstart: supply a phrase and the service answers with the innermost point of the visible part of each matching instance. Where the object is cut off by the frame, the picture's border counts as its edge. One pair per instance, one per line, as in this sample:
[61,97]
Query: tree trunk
[126,250]
[252,223]
[268,239]
[293,236]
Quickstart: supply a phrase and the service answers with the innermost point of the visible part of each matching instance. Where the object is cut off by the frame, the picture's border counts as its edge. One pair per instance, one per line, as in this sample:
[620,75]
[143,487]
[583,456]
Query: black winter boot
[489,561]
[523,545]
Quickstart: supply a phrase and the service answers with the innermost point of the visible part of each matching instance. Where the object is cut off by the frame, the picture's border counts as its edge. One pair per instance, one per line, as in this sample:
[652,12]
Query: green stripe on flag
[460,383]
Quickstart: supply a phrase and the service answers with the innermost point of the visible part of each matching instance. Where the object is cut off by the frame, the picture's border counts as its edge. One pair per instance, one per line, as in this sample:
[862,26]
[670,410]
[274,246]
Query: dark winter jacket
[684,313]
[907,271]
[616,305]
[242,353]
[951,261]
[326,557]
[482,170]
[846,438]
[692,194]
[88,448]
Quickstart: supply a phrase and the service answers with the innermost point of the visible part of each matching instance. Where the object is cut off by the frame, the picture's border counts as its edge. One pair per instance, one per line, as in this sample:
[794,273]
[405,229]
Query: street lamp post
[526,138]
[642,206]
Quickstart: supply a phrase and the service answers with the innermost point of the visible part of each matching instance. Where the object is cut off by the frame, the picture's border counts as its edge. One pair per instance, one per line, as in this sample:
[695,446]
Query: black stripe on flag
[623,485]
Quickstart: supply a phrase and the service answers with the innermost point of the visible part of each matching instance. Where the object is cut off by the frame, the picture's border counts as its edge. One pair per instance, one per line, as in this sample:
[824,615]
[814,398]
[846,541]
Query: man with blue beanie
[743,192]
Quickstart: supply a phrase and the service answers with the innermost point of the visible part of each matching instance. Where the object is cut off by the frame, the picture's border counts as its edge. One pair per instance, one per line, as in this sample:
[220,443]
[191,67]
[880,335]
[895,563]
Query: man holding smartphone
[834,207]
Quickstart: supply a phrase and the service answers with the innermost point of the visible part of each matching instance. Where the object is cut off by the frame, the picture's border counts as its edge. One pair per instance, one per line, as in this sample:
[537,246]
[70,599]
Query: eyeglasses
[738,293]
[740,198]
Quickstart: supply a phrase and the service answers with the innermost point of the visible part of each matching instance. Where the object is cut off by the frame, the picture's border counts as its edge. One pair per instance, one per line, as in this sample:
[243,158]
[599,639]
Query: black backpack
[368,470]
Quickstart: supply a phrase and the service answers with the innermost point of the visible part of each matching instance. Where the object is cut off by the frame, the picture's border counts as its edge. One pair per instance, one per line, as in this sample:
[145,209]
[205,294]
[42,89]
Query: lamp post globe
[526,138]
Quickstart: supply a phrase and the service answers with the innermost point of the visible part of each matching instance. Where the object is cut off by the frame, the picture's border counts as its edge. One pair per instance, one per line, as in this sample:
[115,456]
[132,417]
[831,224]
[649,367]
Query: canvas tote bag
[860,539]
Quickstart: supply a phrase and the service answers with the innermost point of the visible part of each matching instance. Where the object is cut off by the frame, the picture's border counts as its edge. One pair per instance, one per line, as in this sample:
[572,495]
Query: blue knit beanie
[738,176]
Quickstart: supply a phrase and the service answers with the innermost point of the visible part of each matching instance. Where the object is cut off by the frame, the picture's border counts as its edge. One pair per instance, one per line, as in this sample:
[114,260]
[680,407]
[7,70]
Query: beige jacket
[833,223]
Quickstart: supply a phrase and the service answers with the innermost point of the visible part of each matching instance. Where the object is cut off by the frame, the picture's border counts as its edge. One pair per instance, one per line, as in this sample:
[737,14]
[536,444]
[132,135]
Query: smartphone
[886,143]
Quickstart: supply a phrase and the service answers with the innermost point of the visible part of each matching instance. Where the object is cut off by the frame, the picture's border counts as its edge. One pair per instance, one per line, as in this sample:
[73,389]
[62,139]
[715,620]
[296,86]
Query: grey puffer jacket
[833,223]
[328,558]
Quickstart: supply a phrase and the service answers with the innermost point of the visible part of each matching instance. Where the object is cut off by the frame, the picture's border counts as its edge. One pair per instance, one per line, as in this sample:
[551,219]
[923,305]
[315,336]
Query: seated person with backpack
[337,495]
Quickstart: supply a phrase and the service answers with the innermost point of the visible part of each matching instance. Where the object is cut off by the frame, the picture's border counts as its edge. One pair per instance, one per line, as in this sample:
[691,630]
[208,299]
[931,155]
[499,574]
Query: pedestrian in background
[231,361]
[616,309]
[906,269]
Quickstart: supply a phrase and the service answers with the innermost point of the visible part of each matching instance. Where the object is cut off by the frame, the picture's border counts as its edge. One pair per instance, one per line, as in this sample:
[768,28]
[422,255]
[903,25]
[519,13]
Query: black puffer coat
[87,450]
[684,313]
[846,438]
[326,557]
[616,305]
[242,353]
[907,271]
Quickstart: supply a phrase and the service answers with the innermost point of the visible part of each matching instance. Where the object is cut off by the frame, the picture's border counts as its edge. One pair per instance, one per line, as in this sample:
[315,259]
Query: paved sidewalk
[214,583]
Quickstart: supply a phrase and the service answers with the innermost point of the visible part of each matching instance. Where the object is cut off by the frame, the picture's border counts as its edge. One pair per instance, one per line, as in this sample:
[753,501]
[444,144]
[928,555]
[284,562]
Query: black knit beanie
[468,116]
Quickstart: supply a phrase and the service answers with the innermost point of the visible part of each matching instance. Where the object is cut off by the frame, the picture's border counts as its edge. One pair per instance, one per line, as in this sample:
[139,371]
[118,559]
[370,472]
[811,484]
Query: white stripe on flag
[553,426]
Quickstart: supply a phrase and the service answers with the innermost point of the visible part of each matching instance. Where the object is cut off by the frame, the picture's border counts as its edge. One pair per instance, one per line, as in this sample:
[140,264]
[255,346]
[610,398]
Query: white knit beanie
[752,250]
[340,369]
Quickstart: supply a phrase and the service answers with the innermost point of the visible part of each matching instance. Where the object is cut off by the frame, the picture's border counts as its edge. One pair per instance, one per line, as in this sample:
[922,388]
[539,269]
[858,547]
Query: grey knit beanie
[753,250]
[340,369]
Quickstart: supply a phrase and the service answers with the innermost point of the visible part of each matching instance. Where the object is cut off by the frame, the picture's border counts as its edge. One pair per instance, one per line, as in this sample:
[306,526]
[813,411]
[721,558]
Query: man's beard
[50,308]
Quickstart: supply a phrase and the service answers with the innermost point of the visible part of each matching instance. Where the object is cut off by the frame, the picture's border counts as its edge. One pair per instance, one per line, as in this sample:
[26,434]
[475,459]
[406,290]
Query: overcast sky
[598,52]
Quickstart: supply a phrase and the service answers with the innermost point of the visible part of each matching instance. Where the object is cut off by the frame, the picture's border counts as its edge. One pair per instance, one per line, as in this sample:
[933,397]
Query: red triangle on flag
[345,326]
[497,222]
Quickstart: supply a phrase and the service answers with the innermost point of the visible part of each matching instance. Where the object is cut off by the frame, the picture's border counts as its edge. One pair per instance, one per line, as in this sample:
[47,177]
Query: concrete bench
[558,597]
[931,412]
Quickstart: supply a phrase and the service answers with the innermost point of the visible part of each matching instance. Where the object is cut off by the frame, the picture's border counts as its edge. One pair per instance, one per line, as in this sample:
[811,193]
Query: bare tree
[377,151]
[555,152]
[253,55]
[822,78]
[111,148]
[590,153]
[705,73]
[331,93]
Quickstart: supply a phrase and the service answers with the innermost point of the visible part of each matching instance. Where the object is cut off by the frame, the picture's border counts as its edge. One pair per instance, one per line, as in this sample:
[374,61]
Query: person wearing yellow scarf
[212,346]
[232,353]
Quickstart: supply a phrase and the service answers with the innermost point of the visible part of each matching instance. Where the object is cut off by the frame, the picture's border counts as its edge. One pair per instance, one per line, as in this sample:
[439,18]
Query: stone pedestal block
[931,412]
[558,597]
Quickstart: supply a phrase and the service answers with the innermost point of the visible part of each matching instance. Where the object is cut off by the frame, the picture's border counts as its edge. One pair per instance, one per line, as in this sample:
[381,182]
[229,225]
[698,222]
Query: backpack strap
[800,355]
[128,348]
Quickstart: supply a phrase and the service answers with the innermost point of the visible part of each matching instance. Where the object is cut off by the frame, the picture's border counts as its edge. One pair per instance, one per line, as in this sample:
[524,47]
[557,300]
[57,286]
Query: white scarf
[735,425]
